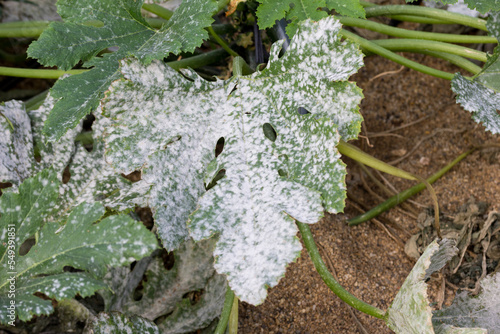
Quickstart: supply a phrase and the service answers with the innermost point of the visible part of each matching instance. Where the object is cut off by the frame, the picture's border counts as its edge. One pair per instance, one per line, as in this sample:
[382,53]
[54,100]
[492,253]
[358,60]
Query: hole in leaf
[134,176]
[219,147]
[269,132]
[70,269]
[26,246]
[217,177]
[146,217]
[282,173]
[168,259]
[194,296]
[303,111]
[66,176]
[139,290]
[173,140]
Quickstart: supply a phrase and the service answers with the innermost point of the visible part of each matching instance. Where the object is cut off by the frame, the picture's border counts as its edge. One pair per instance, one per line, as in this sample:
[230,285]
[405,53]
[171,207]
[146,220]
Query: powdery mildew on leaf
[79,243]
[482,6]
[65,44]
[481,101]
[410,311]
[16,146]
[482,310]
[164,291]
[117,323]
[168,126]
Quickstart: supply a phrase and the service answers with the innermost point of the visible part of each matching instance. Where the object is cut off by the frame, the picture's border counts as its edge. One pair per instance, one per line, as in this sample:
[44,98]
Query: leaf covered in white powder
[168,127]
[78,241]
[481,96]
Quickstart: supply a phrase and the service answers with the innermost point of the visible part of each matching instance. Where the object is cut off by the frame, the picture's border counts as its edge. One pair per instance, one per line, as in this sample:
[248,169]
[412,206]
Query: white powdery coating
[52,154]
[410,310]
[481,101]
[16,145]
[475,311]
[167,126]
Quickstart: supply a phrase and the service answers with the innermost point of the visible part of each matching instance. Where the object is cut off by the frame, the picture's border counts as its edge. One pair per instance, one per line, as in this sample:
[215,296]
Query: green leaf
[164,291]
[410,311]
[117,323]
[90,27]
[169,126]
[296,11]
[16,146]
[481,311]
[80,243]
[481,96]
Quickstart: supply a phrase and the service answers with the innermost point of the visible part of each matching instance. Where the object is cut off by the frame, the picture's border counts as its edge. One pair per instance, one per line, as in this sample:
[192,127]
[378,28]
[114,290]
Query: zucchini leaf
[117,323]
[78,242]
[91,27]
[481,96]
[168,126]
[269,11]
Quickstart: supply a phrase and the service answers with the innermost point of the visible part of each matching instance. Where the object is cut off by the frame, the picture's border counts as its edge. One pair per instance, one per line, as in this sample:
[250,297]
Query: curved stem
[330,281]
[158,10]
[373,47]
[404,195]
[226,311]
[355,153]
[414,45]
[432,13]
[36,73]
[221,42]
[199,60]
[404,33]
[455,60]
[232,326]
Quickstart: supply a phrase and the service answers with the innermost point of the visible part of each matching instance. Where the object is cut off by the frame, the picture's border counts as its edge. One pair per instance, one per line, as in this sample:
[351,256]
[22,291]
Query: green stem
[221,42]
[226,311]
[330,281]
[404,195]
[232,326]
[455,60]
[240,67]
[158,10]
[198,61]
[373,47]
[355,153]
[428,12]
[415,45]
[35,73]
[403,33]
[36,101]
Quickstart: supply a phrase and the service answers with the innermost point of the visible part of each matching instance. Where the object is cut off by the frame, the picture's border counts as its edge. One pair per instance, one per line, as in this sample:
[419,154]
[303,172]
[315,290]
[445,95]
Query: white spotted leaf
[84,240]
[118,323]
[481,96]
[168,126]
[119,24]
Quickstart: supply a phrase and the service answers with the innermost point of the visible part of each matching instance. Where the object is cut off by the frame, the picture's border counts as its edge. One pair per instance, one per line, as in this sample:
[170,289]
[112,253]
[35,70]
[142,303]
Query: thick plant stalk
[404,33]
[232,326]
[226,312]
[35,73]
[373,47]
[432,13]
[330,281]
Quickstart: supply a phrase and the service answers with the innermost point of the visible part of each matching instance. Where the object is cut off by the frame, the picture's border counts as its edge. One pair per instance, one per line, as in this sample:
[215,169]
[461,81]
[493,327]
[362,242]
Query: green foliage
[91,27]
[117,323]
[77,242]
[299,10]
[159,121]
[481,96]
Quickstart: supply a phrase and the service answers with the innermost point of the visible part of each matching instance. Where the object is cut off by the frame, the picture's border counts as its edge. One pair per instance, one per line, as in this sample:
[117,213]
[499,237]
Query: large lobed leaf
[169,126]
[92,26]
[77,242]
[481,96]
[269,11]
